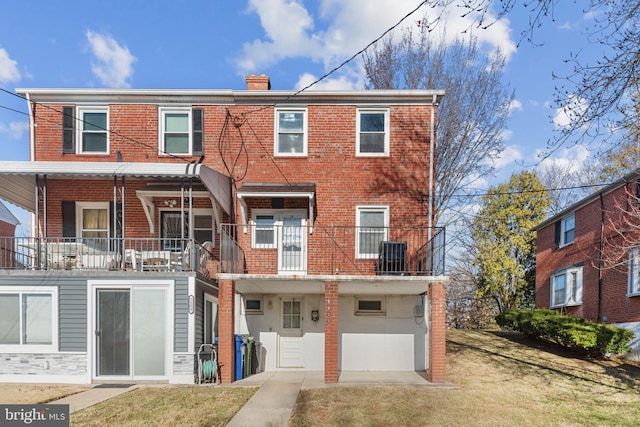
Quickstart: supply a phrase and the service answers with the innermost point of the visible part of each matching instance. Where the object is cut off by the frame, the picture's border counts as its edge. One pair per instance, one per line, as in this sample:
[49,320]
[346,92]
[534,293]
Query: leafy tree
[473,112]
[505,254]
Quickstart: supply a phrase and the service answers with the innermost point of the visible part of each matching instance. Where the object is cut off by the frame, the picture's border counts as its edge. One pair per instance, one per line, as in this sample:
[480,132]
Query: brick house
[587,258]
[8,223]
[169,219]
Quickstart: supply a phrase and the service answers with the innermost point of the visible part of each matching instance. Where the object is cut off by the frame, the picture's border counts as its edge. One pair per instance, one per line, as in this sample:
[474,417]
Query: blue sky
[213,44]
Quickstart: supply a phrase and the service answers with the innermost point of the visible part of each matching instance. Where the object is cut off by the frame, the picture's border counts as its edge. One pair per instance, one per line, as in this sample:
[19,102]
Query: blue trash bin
[241,344]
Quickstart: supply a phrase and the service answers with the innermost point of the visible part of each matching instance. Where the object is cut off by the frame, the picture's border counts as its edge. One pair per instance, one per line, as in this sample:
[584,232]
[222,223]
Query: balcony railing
[28,253]
[285,249]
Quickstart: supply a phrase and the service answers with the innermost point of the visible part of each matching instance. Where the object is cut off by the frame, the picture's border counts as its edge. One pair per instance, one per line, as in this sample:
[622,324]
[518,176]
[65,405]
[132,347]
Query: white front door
[290,346]
[292,247]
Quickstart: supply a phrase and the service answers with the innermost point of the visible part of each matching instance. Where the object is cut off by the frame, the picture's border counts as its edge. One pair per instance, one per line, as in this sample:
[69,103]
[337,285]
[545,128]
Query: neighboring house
[8,223]
[588,258]
[167,219]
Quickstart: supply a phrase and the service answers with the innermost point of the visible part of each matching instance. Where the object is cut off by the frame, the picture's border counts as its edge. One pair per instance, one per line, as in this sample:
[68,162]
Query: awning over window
[271,190]
[18,179]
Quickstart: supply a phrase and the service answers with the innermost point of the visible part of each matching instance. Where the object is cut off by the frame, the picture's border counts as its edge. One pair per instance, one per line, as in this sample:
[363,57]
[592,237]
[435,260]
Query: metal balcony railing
[285,249]
[53,253]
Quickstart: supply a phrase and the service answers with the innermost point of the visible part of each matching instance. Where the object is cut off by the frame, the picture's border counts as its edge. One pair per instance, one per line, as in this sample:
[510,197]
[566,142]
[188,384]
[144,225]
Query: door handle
[97,333]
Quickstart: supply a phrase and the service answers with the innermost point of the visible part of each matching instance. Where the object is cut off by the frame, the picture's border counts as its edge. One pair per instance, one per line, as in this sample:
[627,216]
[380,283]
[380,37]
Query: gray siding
[72,306]
[201,288]
[181,321]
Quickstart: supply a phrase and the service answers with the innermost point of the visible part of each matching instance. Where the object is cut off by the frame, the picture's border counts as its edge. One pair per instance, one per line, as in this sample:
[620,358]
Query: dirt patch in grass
[505,380]
[11,393]
[167,406]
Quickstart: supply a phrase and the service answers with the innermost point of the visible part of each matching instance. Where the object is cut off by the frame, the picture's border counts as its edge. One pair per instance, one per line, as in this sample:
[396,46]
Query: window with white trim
[372,224]
[567,230]
[566,287]
[634,271]
[291,132]
[93,130]
[28,318]
[253,304]
[372,132]
[93,223]
[210,319]
[264,231]
[180,131]
[370,306]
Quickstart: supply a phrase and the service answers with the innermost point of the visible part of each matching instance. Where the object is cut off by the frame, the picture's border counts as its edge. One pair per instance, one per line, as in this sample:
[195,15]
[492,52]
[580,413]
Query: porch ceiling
[349,285]
[18,179]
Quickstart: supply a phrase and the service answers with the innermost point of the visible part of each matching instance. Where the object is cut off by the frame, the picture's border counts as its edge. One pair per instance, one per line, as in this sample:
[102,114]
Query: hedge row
[597,339]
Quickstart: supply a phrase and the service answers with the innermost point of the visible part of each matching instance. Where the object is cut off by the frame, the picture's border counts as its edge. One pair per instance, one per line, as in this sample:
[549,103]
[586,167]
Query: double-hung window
[634,271]
[372,224]
[264,231]
[372,132]
[566,287]
[568,226]
[291,132]
[93,132]
[28,318]
[181,131]
[93,224]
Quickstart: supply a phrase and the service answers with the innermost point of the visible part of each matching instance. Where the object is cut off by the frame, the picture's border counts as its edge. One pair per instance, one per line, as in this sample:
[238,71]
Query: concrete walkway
[93,396]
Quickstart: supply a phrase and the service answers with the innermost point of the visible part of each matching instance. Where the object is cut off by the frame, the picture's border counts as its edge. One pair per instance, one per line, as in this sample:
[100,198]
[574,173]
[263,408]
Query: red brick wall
[437,333]
[342,179]
[226,338]
[614,303]
[7,254]
[331,335]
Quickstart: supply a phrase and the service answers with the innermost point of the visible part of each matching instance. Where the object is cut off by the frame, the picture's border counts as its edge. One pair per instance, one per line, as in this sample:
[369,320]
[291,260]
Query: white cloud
[8,68]
[343,27]
[113,66]
[515,105]
[574,107]
[15,130]
[570,159]
[340,83]
[508,156]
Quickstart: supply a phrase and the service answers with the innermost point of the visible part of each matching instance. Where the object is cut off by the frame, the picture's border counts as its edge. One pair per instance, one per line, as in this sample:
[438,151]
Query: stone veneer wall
[43,364]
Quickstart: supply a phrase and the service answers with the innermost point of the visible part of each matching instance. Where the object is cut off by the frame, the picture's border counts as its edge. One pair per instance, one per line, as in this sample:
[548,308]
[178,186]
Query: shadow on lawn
[521,360]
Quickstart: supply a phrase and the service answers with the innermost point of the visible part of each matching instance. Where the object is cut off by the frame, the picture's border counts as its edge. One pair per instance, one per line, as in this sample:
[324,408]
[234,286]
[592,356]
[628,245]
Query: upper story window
[93,223]
[181,131]
[28,318]
[291,132]
[93,133]
[372,133]
[634,271]
[372,224]
[566,287]
[565,230]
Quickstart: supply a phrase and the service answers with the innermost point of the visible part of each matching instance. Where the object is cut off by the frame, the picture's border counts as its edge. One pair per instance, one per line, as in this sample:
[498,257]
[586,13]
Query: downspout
[432,133]
[601,249]
[32,127]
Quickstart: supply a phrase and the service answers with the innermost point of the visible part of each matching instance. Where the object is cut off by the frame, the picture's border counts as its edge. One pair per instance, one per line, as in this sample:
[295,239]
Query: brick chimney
[260,82]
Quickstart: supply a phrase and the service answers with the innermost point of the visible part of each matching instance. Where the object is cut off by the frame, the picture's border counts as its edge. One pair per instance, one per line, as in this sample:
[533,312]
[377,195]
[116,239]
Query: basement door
[131,332]
[290,345]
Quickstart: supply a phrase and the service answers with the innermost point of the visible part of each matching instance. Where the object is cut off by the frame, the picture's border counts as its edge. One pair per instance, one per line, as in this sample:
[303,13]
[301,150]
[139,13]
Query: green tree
[505,243]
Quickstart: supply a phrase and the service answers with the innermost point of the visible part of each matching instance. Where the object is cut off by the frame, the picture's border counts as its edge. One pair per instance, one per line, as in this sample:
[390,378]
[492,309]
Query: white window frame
[277,132]
[371,208]
[80,111]
[196,212]
[161,129]
[255,213]
[634,272]
[365,312]
[569,301]
[247,298]
[387,137]
[563,229]
[80,206]
[210,323]
[34,348]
